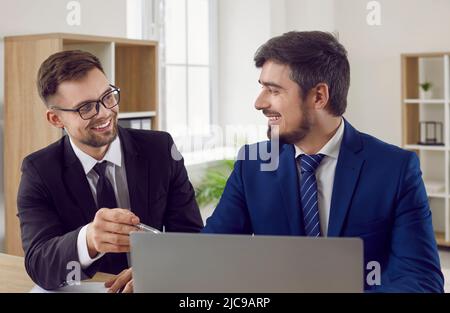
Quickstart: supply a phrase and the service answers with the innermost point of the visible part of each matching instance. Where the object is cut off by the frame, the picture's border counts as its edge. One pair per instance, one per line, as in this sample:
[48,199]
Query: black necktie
[105,191]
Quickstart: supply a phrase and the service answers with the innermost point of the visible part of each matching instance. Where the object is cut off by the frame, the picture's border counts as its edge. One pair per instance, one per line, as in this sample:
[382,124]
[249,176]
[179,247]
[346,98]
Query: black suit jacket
[55,202]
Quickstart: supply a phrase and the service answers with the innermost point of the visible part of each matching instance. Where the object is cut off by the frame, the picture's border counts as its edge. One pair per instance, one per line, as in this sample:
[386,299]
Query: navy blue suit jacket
[378,195]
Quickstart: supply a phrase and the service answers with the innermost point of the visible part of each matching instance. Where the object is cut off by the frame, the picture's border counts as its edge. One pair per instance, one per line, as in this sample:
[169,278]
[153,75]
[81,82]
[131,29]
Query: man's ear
[54,119]
[321,96]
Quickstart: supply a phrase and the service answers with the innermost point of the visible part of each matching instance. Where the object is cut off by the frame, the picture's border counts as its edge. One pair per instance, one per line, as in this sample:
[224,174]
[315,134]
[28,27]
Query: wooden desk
[14,278]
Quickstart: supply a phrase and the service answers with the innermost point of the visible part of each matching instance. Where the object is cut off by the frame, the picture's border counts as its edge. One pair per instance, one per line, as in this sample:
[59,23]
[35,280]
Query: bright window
[187,46]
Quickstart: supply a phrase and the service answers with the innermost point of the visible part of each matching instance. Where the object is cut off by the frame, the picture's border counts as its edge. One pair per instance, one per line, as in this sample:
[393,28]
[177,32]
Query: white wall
[278,17]
[306,15]
[374,54]
[243,26]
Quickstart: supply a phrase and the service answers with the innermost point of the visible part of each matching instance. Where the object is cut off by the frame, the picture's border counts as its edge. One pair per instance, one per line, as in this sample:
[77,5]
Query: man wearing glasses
[80,197]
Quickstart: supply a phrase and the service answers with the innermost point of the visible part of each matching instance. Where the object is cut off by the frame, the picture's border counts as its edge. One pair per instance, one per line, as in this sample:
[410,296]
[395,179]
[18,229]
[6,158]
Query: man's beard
[101,140]
[295,135]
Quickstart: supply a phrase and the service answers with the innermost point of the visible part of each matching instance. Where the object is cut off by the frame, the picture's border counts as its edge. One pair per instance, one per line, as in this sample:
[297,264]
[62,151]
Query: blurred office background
[207,76]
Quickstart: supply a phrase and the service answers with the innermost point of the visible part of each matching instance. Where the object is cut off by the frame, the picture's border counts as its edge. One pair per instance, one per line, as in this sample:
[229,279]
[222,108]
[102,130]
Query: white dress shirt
[115,172]
[325,175]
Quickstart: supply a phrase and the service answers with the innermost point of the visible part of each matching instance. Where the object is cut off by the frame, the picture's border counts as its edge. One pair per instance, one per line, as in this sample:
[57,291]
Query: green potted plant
[210,189]
[425,90]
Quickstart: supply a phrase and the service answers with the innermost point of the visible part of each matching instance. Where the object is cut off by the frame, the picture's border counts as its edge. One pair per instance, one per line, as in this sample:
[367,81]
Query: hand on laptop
[109,232]
[121,283]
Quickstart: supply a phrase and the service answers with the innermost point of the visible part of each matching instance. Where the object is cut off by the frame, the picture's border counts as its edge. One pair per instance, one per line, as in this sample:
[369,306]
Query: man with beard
[80,197]
[331,180]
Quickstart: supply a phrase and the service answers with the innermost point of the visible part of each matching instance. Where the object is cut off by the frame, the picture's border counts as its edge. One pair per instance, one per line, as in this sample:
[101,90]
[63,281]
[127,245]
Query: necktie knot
[310,162]
[100,168]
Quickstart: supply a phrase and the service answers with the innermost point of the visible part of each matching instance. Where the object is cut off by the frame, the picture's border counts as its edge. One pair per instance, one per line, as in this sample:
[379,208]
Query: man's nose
[261,102]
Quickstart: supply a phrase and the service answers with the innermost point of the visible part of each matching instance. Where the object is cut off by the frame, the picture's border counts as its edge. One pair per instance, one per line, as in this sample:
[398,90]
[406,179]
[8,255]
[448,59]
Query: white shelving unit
[435,159]
[127,115]
[137,120]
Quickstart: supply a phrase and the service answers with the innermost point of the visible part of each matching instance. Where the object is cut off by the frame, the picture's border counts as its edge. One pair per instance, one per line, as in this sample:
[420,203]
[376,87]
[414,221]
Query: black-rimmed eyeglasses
[88,110]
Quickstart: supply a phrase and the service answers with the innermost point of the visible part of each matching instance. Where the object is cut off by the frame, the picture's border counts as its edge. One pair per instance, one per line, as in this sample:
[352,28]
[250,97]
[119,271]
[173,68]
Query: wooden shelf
[135,74]
[425,147]
[77,38]
[440,239]
[437,195]
[425,101]
[128,115]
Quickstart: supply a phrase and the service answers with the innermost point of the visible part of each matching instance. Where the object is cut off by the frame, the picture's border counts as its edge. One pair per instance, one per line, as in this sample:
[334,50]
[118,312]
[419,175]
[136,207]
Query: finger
[110,248]
[120,282]
[118,228]
[129,287]
[115,287]
[121,216]
[116,239]
[110,281]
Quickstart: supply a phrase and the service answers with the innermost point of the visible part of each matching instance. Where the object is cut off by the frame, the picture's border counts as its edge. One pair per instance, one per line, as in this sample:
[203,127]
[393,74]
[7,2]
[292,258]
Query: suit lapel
[287,179]
[136,167]
[348,169]
[77,183]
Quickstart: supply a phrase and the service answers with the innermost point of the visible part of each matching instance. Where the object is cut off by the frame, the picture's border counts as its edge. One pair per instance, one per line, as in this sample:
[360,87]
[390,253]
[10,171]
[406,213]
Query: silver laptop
[175,262]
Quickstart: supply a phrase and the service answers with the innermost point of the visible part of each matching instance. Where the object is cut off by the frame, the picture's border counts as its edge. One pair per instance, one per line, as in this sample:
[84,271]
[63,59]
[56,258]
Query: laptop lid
[176,262]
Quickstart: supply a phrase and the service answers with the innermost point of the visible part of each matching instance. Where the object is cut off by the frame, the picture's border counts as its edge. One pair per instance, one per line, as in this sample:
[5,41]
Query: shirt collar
[112,155]
[332,147]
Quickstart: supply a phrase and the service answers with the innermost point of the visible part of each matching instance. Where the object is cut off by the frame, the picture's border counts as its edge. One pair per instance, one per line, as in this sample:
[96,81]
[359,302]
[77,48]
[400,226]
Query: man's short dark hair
[64,66]
[314,57]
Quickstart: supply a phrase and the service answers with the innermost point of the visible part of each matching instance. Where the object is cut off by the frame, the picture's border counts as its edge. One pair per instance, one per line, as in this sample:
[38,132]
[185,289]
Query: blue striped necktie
[308,193]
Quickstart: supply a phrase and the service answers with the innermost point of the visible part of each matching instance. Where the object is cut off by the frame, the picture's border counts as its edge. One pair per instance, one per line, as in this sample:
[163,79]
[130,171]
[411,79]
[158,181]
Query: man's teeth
[274,118]
[103,125]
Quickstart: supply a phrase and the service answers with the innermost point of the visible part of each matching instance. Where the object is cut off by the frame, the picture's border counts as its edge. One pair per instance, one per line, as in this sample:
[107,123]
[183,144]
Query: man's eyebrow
[86,101]
[270,84]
